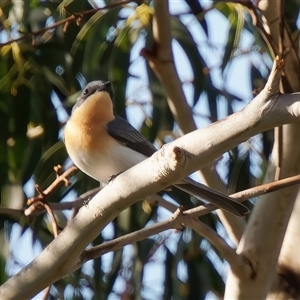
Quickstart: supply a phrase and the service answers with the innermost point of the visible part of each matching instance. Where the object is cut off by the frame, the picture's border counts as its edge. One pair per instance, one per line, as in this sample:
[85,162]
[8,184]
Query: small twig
[173,222]
[15,213]
[40,200]
[73,17]
[42,194]
[58,170]
[178,218]
[52,217]
[35,209]
[156,200]
[266,188]
[235,262]
[185,218]
[44,205]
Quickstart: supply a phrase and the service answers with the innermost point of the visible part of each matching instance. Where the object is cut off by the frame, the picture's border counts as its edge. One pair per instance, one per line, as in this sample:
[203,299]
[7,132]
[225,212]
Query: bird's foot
[112,177]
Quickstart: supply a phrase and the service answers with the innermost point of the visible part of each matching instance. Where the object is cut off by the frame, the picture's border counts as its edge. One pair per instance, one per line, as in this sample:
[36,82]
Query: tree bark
[267,110]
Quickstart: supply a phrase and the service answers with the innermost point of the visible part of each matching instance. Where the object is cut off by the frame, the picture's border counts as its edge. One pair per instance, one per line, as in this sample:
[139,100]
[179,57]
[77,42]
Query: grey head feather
[91,88]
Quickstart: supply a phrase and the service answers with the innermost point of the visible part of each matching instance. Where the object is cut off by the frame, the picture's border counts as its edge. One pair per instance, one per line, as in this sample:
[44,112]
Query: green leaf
[74,6]
[240,175]
[212,104]
[4,80]
[169,268]
[99,46]
[162,117]
[6,6]
[183,36]
[86,32]
[44,173]
[199,13]
[119,68]
[235,15]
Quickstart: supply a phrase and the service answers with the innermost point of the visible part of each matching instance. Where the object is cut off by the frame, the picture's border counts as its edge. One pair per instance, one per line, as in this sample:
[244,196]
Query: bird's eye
[85,92]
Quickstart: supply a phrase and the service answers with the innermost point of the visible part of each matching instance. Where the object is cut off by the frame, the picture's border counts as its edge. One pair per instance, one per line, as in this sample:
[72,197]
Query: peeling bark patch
[291,280]
[279,62]
[99,212]
[253,267]
[178,153]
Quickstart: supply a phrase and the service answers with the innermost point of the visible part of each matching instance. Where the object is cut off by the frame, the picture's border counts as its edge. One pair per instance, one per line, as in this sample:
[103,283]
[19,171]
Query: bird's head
[92,88]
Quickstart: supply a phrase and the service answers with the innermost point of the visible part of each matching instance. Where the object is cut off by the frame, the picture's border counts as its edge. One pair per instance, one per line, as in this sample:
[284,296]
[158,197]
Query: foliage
[39,76]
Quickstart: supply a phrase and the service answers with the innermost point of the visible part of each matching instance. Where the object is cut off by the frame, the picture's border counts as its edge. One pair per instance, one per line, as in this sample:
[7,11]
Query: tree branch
[162,168]
[161,60]
[162,63]
[178,220]
[74,17]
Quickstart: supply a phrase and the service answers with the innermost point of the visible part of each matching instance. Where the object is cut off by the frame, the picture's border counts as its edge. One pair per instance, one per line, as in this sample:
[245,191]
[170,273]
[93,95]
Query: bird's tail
[213,196]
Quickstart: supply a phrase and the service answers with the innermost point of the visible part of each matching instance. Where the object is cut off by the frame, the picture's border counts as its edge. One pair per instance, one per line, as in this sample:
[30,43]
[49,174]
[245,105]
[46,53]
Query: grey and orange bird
[102,144]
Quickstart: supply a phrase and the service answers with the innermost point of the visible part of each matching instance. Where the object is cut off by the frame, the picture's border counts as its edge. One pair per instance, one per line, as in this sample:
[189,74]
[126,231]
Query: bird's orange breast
[85,132]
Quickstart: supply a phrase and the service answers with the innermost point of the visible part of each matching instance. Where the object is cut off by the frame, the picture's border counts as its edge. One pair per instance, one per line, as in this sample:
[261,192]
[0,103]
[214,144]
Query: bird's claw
[112,177]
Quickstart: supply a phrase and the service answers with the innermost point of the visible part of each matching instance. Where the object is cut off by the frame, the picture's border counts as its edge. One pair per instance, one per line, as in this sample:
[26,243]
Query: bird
[102,144]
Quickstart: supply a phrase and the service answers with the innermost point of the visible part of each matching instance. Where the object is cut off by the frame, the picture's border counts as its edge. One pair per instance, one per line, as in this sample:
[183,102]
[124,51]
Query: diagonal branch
[177,220]
[162,62]
[159,171]
[188,219]
[75,17]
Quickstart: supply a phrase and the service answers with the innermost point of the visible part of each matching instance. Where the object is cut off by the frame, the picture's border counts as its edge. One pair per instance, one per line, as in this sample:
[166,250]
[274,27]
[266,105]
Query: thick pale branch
[187,218]
[263,238]
[162,62]
[200,147]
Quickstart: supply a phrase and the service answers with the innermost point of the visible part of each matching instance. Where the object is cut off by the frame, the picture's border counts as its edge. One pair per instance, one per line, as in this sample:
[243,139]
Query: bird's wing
[122,131]
[125,133]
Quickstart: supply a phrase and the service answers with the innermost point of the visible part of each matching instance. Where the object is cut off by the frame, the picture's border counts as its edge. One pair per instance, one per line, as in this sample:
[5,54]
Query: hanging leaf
[198,12]
[235,15]
[183,36]
[119,68]
[44,173]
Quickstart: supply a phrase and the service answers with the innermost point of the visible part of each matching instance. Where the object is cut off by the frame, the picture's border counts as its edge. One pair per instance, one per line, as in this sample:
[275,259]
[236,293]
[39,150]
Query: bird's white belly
[101,165]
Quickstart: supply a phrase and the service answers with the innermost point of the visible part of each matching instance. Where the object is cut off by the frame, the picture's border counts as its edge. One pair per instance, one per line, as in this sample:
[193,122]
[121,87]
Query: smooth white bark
[267,110]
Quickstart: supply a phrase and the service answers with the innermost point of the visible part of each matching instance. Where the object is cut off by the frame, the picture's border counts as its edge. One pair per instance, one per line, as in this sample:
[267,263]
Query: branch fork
[171,159]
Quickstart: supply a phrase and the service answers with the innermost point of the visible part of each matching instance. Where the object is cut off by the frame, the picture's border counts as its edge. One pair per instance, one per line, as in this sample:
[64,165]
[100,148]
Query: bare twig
[40,200]
[52,217]
[173,222]
[43,194]
[188,218]
[14,213]
[266,188]
[236,263]
[178,220]
[161,60]
[74,17]
[155,199]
